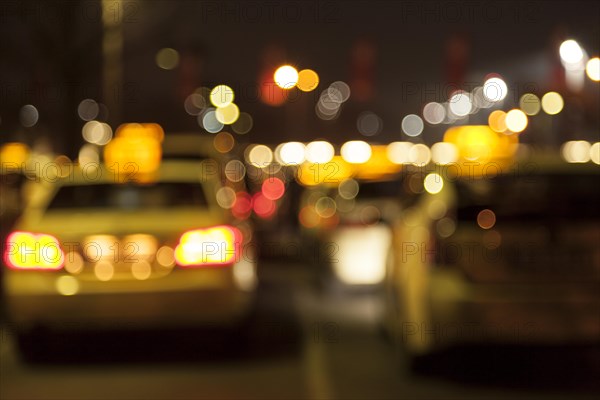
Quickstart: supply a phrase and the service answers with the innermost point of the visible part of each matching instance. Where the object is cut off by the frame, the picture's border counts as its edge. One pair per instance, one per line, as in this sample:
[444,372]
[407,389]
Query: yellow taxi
[506,255]
[107,246]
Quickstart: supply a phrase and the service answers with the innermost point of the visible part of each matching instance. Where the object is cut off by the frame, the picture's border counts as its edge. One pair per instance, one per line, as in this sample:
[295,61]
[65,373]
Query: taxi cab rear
[95,249]
[508,258]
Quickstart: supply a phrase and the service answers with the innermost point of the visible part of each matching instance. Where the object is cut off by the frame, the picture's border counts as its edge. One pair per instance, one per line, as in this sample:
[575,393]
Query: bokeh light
[486,219]
[308,80]
[460,104]
[593,69]
[223,142]
[273,188]
[369,123]
[497,121]
[595,153]
[242,206]
[412,125]
[319,151]
[221,95]
[167,58]
[243,124]
[227,114]
[235,170]
[286,77]
[348,189]
[434,113]
[263,206]
[444,153]
[141,270]
[88,109]
[96,132]
[341,89]
[576,151]
[495,89]
[530,104]
[419,155]
[516,121]
[29,115]
[260,156]
[397,152]
[208,120]
[356,152]
[325,207]
[226,197]
[570,52]
[67,285]
[433,183]
[292,153]
[552,103]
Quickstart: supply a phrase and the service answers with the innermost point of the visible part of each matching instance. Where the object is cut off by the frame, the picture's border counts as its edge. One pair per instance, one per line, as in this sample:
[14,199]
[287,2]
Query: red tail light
[33,251]
[219,245]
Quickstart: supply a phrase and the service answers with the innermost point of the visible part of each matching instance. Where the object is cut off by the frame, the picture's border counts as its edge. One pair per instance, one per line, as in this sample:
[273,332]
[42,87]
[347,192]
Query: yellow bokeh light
[433,183]
[530,104]
[308,80]
[167,58]
[227,114]
[141,270]
[67,285]
[165,256]
[16,153]
[221,96]
[497,121]
[286,77]
[593,69]
[332,172]
[552,103]
[595,153]
[104,270]
[480,142]
[516,120]
[132,158]
[143,130]
[73,262]
[378,165]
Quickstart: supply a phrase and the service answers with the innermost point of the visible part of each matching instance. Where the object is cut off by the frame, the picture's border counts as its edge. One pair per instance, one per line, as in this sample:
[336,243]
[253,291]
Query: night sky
[408,53]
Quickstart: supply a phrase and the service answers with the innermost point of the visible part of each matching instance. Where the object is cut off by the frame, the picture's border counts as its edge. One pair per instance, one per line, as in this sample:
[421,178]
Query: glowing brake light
[25,250]
[218,245]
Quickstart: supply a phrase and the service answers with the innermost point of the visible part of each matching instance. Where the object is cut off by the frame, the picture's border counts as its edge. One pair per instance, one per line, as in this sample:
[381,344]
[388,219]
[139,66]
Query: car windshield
[129,196]
[554,196]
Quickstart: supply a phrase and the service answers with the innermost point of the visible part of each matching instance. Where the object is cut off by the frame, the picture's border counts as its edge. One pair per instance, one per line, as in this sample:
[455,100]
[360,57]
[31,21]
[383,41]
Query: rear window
[538,196]
[129,196]
[376,190]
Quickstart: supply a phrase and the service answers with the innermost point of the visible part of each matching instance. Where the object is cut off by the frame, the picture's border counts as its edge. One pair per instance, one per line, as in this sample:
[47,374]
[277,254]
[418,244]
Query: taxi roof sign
[141,130]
